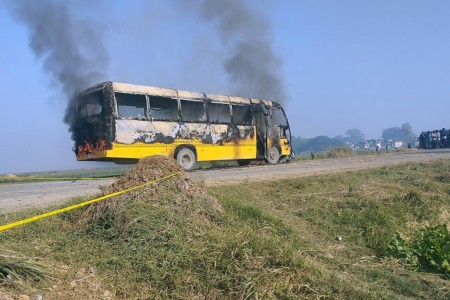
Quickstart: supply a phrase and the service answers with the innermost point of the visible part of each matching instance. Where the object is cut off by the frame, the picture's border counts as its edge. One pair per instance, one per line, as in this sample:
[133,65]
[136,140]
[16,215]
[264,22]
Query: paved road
[313,167]
[18,196]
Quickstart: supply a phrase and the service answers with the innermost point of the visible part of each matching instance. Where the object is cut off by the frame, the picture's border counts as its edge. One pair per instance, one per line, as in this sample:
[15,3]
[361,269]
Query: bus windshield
[279,118]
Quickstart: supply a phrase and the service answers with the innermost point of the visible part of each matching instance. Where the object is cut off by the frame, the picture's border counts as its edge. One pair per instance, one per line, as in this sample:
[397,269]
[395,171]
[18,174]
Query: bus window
[192,111]
[90,104]
[279,117]
[164,108]
[242,114]
[131,106]
[219,113]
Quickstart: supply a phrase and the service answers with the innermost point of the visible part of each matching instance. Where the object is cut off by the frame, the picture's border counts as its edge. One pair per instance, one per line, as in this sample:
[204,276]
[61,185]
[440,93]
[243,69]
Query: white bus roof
[172,93]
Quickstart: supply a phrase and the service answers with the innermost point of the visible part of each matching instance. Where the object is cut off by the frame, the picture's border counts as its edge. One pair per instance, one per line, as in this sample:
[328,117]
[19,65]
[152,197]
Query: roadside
[15,196]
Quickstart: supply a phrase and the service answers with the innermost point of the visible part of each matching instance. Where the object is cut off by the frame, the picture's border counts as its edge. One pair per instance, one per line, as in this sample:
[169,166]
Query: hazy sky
[344,64]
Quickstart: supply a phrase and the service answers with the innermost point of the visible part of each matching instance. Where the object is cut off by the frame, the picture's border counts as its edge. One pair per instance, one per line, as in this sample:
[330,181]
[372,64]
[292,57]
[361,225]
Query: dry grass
[15,267]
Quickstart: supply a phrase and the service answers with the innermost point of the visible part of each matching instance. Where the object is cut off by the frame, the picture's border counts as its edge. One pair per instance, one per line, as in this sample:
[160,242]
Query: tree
[408,133]
[355,135]
[393,133]
[404,133]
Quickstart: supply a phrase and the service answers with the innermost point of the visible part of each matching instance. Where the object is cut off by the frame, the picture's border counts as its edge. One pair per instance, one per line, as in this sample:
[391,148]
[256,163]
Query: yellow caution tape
[72,207]
[56,178]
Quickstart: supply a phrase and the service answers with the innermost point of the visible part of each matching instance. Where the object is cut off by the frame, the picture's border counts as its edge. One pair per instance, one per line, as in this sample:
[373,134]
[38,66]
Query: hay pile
[178,194]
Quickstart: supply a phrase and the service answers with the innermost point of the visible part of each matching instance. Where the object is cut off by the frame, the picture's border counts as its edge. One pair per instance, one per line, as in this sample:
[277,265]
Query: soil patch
[176,193]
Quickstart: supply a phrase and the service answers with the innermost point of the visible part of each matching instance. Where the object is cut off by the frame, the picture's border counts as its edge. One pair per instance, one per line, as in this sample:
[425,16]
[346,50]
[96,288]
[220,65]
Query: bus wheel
[186,159]
[273,155]
[243,162]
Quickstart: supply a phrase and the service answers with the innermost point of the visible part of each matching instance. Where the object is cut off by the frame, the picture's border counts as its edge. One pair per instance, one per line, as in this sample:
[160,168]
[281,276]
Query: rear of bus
[93,130]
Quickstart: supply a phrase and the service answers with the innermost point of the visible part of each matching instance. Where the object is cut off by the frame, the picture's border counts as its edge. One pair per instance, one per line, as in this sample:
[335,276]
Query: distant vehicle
[123,122]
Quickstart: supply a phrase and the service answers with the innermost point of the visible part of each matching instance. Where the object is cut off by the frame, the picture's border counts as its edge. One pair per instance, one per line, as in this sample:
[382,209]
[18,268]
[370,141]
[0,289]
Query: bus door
[260,116]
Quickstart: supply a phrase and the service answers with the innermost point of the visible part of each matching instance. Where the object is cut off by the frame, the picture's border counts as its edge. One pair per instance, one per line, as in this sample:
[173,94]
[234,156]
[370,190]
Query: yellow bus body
[244,149]
[120,122]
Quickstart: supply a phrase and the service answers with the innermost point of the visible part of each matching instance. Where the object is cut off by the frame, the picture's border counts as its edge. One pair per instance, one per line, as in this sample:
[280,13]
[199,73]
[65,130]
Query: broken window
[162,108]
[278,116]
[192,111]
[131,106]
[219,112]
[90,104]
[242,114]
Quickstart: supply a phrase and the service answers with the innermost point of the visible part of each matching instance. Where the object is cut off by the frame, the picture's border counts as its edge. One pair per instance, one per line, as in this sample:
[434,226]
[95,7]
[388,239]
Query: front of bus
[93,129]
[282,136]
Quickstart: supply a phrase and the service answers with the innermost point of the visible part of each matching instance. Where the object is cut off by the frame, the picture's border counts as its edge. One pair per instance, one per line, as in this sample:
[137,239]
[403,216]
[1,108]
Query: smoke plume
[71,48]
[253,67]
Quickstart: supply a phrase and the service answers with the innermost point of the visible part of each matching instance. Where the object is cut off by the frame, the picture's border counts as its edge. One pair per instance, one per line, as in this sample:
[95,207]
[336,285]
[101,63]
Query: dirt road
[16,196]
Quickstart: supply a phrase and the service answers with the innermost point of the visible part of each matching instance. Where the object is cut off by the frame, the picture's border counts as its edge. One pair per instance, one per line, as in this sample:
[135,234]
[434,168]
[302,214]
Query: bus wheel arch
[186,157]
[273,155]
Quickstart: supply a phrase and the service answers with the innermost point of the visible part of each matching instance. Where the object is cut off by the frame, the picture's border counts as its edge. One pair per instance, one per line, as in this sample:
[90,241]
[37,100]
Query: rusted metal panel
[139,89]
[190,95]
[156,91]
[94,88]
[265,102]
[219,98]
[240,100]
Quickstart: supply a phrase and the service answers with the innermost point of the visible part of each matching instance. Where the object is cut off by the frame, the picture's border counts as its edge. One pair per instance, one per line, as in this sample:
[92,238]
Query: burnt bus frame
[109,114]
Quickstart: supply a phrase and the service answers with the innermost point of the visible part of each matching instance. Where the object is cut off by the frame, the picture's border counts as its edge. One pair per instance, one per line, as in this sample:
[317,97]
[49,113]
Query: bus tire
[273,156]
[186,159]
[243,162]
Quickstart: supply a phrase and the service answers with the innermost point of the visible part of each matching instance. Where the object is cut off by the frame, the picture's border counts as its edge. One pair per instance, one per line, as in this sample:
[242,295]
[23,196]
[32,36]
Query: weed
[428,250]
[413,197]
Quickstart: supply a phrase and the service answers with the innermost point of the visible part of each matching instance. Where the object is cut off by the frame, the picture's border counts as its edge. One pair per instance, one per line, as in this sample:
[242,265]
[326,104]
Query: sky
[345,64]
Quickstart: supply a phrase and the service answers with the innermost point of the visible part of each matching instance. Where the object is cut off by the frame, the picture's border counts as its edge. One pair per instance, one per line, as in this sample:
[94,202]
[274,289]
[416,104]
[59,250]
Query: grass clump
[428,250]
[17,267]
[332,153]
[9,178]
[340,152]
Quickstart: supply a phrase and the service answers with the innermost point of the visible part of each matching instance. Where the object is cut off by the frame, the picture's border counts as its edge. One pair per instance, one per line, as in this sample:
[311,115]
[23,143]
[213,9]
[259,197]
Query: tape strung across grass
[56,178]
[72,207]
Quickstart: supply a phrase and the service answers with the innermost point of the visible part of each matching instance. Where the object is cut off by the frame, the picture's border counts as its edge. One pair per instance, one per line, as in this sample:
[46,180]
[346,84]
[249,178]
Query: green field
[315,237]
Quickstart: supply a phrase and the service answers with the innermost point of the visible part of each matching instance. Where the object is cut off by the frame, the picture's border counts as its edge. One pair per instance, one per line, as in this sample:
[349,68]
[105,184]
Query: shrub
[428,250]
[339,152]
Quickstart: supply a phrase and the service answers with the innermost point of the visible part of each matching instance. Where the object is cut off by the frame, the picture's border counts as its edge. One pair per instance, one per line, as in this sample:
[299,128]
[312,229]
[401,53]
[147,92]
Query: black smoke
[71,47]
[253,67]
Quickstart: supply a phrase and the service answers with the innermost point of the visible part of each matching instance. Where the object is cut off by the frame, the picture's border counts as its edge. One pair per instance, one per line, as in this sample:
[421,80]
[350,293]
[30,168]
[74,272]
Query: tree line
[352,136]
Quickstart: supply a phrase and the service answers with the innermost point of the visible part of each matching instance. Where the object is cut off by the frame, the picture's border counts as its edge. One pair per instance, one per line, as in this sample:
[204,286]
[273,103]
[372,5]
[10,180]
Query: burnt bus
[123,122]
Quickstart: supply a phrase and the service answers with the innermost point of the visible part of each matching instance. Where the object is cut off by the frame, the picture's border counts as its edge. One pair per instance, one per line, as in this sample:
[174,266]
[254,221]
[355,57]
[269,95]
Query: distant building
[398,144]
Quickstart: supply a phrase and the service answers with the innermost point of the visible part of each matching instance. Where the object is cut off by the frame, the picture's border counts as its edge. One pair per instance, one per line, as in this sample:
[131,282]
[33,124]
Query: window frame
[180,109]
[152,118]
[146,107]
[251,123]
[220,103]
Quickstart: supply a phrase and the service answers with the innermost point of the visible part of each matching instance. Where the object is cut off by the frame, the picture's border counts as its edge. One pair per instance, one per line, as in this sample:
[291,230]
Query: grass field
[313,237]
